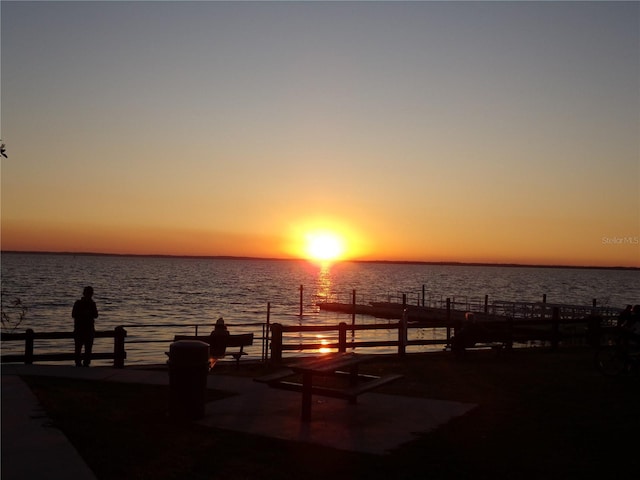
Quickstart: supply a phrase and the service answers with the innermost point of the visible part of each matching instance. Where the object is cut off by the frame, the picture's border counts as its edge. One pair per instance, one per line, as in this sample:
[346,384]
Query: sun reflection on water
[323,341]
[323,283]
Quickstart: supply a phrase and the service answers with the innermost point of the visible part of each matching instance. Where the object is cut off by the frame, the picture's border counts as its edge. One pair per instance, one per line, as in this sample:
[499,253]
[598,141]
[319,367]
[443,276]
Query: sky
[500,132]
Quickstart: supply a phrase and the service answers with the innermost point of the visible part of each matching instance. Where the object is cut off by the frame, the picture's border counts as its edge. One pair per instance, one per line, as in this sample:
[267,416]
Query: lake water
[156,298]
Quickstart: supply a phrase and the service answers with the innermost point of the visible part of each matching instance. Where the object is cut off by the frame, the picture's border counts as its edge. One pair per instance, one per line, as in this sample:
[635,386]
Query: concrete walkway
[31,448]
[377,424]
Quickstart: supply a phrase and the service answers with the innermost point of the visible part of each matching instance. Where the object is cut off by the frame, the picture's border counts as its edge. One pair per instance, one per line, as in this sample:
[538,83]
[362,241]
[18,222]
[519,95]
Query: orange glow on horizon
[294,244]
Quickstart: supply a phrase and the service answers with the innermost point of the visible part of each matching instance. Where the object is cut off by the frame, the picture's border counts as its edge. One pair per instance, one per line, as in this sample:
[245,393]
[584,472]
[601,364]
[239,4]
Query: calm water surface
[134,291]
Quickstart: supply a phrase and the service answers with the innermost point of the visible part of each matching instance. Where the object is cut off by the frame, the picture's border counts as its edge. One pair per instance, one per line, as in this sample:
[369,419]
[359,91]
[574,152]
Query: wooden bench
[349,393]
[272,379]
[477,336]
[241,340]
[496,346]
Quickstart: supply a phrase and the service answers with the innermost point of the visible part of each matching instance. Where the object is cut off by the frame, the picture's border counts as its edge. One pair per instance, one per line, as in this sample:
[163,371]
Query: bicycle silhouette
[620,357]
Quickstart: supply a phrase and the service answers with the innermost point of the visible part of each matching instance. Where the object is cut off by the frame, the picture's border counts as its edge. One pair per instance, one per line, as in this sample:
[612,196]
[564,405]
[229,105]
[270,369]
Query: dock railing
[118,355]
[59,346]
[550,322]
[552,331]
[494,308]
[278,339]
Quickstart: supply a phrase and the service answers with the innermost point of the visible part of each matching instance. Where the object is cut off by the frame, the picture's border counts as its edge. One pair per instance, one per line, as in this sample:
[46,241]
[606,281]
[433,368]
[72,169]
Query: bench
[277,379]
[272,379]
[349,393]
[477,336]
[496,346]
[241,340]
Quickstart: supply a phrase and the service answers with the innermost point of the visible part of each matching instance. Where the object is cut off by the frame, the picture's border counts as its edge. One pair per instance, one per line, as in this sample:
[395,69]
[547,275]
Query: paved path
[377,424]
[31,448]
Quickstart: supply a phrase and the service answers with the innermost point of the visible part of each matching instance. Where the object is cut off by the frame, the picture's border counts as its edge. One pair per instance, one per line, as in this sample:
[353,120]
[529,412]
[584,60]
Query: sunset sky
[430,131]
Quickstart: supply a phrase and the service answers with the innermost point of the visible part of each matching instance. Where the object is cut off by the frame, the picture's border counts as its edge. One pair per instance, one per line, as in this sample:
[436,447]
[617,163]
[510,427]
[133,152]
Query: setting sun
[324,246]
[324,239]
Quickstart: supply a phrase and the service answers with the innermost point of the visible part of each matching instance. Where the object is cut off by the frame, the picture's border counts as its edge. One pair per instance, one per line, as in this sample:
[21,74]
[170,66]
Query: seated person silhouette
[218,341]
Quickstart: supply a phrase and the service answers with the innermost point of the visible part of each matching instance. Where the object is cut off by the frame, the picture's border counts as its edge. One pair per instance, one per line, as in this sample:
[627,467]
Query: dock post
[301,292]
[276,343]
[342,337]
[486,304]
[28,346]
[423,294]
[119,353]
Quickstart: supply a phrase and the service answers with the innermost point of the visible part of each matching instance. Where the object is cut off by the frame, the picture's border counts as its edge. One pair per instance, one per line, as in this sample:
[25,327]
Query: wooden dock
[395,311]
[494,312]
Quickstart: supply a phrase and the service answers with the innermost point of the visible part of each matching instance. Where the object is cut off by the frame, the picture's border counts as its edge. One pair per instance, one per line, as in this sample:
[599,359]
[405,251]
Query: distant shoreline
[390,262]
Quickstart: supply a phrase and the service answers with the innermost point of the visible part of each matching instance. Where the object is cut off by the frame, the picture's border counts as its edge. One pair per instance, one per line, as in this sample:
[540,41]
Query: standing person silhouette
[84,314]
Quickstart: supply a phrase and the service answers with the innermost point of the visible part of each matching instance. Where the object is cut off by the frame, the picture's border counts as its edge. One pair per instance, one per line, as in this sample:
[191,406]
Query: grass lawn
[541,415]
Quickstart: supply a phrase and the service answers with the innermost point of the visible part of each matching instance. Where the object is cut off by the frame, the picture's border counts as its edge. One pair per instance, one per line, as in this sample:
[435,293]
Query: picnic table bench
[337,365]
[497,347]
[240,340]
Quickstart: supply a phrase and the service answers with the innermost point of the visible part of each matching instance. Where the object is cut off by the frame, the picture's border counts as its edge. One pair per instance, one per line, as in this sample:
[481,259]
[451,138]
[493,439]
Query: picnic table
[332,365]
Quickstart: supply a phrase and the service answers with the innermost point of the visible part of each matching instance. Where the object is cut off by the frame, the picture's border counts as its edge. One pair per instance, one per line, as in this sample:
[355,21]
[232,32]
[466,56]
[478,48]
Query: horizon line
[397,262]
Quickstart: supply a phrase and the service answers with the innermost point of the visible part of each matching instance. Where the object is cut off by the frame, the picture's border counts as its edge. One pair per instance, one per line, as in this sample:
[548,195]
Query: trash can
[188,369]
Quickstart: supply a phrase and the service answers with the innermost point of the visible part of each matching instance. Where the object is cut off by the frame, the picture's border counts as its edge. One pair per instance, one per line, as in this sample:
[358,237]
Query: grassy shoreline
[541,415]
